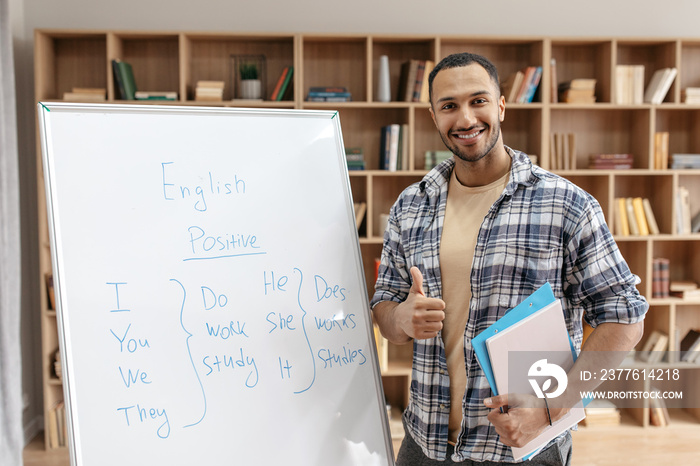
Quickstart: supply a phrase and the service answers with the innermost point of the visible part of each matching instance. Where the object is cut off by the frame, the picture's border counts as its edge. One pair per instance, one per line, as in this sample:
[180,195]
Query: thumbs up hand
[420,317]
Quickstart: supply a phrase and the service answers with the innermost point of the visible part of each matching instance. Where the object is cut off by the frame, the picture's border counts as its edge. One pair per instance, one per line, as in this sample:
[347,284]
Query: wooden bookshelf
[175,61]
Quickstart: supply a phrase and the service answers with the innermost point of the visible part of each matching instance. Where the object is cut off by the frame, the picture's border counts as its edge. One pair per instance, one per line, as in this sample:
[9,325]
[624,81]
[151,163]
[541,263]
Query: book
[554,88]
[629,84]
[360,210]
[355,158]
[650,217]
[659,85]
[425,89]
[50,291]
[563,151]
[611,161]
[418,82]
[683,211]
[690,346]
[435,157]
[86,94]
[681,161]
[124,76]
[578,91]
[654,347]
[661,150]
[285,87]
[660,277]
[155,95]
[511,87]
[621,213]
[278,85]
[640,216]
[631,217]
[409,71]
[210,91]
[600,413]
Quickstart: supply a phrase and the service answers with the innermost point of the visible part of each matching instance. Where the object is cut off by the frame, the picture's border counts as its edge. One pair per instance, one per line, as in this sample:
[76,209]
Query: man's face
[467,109]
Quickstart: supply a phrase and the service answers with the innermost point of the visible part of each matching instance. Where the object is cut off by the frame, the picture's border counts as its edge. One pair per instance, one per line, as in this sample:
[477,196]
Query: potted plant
[251,86]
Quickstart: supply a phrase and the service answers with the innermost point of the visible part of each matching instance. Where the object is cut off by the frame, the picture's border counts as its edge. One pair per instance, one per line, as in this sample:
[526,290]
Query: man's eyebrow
[473,94]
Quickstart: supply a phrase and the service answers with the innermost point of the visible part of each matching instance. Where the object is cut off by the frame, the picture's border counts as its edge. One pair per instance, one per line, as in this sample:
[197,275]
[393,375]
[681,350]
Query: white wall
[556,18]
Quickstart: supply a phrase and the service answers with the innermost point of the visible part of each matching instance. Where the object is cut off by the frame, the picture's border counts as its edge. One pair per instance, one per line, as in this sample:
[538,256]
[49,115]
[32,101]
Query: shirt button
[442,406]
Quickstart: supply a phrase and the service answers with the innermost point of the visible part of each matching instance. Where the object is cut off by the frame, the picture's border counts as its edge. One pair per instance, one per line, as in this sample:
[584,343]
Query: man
[480,233]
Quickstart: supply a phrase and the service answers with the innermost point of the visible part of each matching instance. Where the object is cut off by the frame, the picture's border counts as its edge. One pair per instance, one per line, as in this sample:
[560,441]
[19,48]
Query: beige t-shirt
[465,212]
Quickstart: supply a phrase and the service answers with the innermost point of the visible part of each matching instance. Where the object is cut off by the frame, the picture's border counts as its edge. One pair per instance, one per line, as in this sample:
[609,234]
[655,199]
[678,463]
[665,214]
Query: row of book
[691,95]
[611,161]
[393,149]
[521,86]
[413,81]
[634,216]
[601,413]
[563,151]
[629,85]
[56,426]
[657,347]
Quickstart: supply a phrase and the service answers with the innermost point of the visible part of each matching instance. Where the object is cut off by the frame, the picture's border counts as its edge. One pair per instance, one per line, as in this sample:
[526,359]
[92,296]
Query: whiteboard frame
[45,108]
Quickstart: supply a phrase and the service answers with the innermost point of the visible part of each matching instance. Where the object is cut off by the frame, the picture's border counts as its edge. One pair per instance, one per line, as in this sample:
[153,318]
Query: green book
[124,75]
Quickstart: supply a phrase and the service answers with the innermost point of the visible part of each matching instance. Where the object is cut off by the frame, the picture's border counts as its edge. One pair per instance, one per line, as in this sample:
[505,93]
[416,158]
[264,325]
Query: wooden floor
[627,444]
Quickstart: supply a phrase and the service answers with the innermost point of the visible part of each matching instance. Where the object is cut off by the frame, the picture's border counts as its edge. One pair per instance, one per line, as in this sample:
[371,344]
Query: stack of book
[679,161]
[393,150]
[659,85]
[629,84]
[684,290]
[209,91]
[435,157]
[578,91]
[329,94]
[601,413]
[691,95]
[660,277]
[611,161]
[520,87]
[634,216]
[563,151]
[86,94]
[690,346]
[57,366]
[413,82]
[661,150]
[355,158]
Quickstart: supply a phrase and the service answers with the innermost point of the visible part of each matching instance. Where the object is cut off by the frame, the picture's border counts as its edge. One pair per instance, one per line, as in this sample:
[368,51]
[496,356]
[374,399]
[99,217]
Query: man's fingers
[417,276]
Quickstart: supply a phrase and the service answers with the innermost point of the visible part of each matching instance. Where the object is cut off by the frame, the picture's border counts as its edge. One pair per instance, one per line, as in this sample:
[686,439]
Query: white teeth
[468,136]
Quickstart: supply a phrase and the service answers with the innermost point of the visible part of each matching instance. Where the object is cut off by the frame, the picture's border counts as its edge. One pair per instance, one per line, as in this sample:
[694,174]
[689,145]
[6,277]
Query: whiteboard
[211,301]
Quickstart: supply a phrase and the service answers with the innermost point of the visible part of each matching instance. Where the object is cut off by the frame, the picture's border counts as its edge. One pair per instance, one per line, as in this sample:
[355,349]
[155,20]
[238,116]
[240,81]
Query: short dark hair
[457,60]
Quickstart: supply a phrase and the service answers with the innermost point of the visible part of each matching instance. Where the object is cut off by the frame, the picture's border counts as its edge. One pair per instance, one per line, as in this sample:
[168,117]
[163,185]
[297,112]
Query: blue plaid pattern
[542,228]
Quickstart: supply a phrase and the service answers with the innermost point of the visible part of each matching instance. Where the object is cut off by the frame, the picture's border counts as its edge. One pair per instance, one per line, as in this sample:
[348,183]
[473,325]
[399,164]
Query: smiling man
[476,236]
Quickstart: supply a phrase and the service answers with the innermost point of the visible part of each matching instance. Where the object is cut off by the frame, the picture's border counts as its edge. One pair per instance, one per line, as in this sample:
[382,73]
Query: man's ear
[502,108]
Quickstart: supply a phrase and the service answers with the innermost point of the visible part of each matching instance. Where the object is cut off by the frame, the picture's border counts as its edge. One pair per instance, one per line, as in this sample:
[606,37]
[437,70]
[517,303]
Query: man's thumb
[417,277]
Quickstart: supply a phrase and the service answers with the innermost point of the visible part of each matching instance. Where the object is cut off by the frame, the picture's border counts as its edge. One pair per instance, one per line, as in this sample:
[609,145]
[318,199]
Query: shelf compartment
[509,55]
[336,62]
[154,58]
[688,72]
[208,58]
[370,253]
[65,60]
[362,128]
[683,126]
[585,59]
[385,190]
[399,50]
[605,130]
[654,55]
[657,187]
[683,256]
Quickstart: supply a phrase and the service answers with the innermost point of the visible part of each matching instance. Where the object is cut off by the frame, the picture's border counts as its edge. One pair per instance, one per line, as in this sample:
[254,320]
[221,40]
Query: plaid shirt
[542,228]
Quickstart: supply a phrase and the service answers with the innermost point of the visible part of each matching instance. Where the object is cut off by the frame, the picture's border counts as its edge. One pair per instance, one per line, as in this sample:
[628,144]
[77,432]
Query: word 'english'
[198,192]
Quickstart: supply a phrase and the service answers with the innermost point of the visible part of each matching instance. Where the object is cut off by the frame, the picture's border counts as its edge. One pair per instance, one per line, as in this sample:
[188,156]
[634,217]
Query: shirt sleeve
[393,281]
[597,277]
